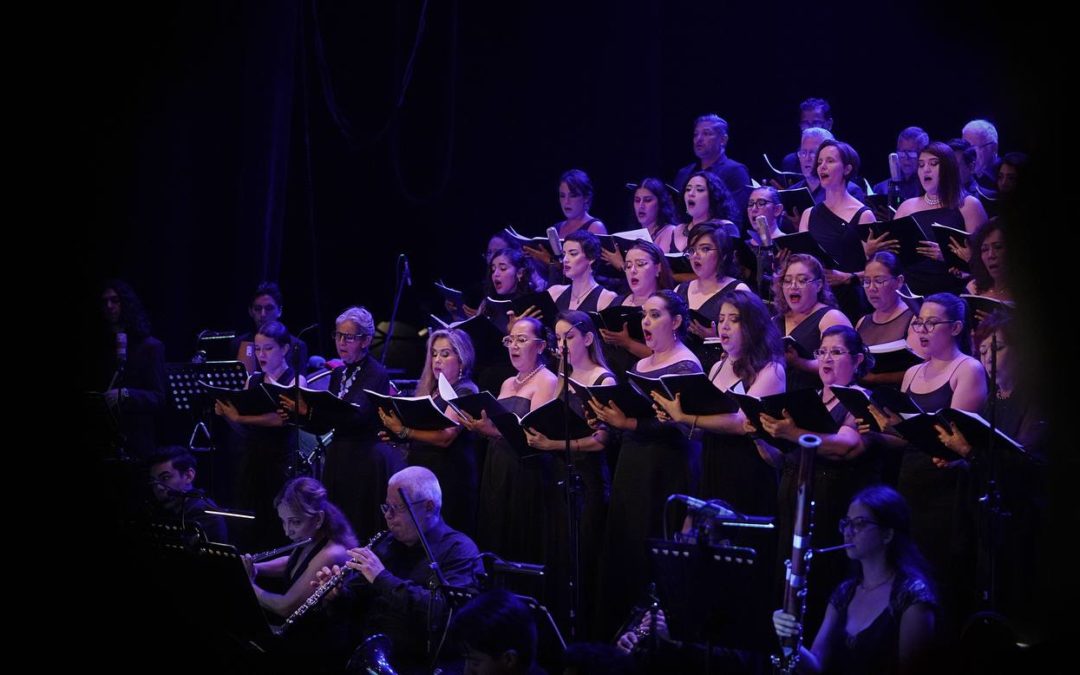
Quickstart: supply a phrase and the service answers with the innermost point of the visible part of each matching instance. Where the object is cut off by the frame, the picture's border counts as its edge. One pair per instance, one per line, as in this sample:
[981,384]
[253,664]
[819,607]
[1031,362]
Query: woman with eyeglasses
[358,464]
[805,308]
[511,488]
[753,363]
[707,200]
[305,512]
[943,202]
[882,281]
[647,272]
[948,379]
[449,453]
[765,203]
[265,443]
[657,459]
[581,250]
[842,466]
[589,453]
[884,618]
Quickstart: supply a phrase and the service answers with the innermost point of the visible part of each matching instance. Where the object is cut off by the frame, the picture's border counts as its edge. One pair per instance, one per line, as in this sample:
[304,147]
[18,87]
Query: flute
[275,552]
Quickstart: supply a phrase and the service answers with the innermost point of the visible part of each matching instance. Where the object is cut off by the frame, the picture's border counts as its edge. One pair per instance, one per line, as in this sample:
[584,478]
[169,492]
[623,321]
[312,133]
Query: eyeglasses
[806,153]
[760,203]
[388,509]
[797,281]
[928,326]
[907,154]
[699,250]
[856,524]
[834,352]
[640,264]
[519,340]
[348,337]
[878,282]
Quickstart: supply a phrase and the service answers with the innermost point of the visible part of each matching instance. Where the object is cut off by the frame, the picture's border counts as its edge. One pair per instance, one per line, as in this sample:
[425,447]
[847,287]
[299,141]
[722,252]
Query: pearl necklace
[519,381]
[932,201]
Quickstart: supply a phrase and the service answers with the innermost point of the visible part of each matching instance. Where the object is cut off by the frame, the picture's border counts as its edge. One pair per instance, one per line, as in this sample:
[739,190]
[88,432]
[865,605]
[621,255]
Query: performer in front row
[305,513]
[391,595]
[882,620]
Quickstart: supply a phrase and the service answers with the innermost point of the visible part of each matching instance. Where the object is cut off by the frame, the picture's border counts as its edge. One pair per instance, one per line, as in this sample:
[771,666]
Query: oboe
[275,552]
[799,565]
[329,585]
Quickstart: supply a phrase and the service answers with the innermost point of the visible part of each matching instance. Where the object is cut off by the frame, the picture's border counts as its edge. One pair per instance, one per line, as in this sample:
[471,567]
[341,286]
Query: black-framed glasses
[700,250]
[760,203]
[928,326]
[348,337]
[855,524]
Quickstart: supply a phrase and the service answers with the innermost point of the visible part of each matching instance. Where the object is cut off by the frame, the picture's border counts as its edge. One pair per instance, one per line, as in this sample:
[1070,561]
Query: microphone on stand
[894,179]
[553,239]
[408,274]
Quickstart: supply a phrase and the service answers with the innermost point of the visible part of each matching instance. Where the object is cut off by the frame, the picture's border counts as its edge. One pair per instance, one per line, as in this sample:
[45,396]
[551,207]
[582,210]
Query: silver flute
[275,552]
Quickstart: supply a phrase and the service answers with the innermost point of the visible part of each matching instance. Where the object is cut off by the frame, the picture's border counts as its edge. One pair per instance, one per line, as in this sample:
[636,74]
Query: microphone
[712,509]
[508,567]
[763,231]
[894,179]
[553,239]
[894,167]
[307,328]
[407,273]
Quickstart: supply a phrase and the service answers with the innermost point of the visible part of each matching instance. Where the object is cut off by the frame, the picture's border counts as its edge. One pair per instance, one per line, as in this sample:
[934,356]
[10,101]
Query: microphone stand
[994,513]
[435,584]
[401,279]
[573,488]
[295,460]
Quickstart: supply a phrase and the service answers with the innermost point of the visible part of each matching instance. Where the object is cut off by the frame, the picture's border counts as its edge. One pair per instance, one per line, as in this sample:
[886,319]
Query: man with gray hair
[392,592]
[983,136]
[710,147]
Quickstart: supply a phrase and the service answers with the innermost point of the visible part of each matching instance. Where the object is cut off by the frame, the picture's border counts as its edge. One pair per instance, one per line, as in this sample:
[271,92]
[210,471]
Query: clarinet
[330,584]
[275,552]
[799,565]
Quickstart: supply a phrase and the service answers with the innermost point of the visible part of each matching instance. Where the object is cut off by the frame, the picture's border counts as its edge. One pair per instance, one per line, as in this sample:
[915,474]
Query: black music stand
[198,575]
[717,595]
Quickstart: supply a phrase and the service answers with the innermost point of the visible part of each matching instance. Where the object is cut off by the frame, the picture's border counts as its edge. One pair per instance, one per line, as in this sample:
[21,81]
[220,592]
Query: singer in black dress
[581,250]
[449,453]
[656,460]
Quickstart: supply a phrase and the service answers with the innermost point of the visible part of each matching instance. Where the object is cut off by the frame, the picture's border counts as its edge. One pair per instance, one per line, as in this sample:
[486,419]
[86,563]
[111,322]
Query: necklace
[576,299]
[932,201]
[867,589]
[347,383]
[520,381]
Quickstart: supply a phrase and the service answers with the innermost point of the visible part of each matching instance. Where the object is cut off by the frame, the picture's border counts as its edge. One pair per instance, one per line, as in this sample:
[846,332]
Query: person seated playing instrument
[882,619]
[172,478]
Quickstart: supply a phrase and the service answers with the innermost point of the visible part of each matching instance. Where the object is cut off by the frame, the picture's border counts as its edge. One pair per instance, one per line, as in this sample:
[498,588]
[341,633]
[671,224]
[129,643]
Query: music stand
[717,595]
[199,575]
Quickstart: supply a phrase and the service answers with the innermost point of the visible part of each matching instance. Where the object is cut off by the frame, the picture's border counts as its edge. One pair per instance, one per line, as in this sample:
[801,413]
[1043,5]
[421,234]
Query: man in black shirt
[172,474]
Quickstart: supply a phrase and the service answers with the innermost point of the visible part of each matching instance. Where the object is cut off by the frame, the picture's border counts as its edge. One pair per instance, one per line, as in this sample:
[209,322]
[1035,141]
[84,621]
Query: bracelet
[404,433]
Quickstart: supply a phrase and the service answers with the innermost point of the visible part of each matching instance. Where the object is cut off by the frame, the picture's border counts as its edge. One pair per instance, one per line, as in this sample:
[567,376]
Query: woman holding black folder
[512,488]
[265,442]
[647,272]
[449,453]
[656,460]
[753,364]
[882,281]
[806,308]
[989,263]
[580,251]
[948,379]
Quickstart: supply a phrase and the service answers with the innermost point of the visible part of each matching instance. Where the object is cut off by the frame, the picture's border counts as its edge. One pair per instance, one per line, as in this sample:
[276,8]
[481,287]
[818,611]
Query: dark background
[239,141]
